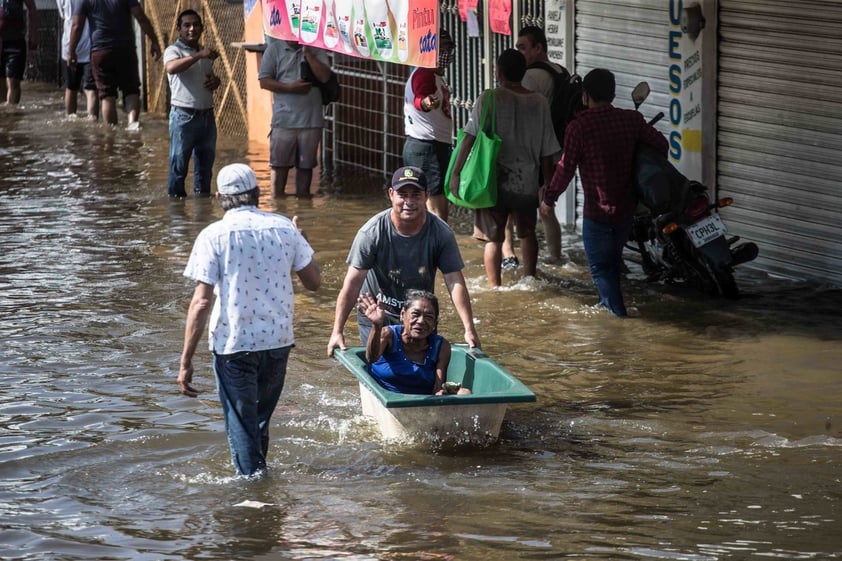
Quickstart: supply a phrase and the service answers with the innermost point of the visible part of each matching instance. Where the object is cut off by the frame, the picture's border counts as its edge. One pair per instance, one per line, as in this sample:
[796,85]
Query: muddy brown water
[696,430]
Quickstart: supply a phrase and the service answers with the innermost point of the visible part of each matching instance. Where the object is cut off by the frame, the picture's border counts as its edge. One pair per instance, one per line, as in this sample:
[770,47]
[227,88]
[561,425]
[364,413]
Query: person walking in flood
[113,55]
[243,265]
[398,249]
[601,142]
[297,113]
[14,43]
[81,77]
[189,67]
[528,144]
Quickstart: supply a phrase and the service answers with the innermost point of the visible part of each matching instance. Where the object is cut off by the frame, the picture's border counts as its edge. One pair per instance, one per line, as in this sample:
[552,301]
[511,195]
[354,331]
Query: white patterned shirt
[248,257]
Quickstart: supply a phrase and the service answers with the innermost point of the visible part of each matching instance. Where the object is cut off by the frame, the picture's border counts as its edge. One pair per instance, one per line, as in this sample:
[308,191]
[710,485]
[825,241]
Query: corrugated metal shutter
[779,139]
[630,38]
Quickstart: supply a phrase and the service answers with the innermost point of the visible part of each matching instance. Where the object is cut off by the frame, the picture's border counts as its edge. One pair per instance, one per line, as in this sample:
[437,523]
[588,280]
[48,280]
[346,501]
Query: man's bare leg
[278,179]
[133,108]
[109,110]
[303,180]
[437,204]
[70,106]
[92,104]
[491,258]
[529,252]
[12,91]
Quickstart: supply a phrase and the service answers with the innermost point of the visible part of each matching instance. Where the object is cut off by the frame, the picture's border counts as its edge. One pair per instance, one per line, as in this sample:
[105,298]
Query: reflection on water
[696,430]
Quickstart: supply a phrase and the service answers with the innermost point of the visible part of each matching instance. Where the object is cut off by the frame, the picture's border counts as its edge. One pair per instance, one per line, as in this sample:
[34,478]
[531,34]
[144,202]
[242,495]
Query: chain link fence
[223,25]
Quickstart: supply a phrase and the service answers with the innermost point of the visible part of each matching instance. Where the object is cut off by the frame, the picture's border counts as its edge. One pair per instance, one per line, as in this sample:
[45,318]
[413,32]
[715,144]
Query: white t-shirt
[188,87]
[83,49]
[248,257]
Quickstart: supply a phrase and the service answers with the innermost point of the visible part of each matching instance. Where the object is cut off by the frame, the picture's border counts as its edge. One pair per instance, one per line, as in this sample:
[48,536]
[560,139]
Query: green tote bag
[478,179]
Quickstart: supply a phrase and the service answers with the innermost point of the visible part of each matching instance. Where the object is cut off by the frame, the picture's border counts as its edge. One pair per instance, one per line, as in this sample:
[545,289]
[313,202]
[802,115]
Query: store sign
[685,87]
[399,31]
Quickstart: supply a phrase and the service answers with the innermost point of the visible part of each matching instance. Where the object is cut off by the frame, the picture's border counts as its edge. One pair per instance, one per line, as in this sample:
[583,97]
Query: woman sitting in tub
[411,357]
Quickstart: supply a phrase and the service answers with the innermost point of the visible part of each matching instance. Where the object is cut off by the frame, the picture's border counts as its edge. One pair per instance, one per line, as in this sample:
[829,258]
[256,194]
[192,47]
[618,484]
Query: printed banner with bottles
[399,31]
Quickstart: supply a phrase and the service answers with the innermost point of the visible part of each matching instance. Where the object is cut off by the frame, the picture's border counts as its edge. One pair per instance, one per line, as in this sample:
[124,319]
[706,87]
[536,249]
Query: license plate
[705,230]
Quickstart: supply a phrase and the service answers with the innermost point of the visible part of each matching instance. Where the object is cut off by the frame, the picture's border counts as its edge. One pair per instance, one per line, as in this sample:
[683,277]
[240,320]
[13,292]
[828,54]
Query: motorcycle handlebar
[657,118]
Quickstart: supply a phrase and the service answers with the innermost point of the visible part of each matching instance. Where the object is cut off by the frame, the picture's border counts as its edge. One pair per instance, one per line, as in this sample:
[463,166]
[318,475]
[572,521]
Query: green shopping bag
[478,178]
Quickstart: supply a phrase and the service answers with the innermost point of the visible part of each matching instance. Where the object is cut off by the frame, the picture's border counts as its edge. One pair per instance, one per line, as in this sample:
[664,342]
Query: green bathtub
[474,417]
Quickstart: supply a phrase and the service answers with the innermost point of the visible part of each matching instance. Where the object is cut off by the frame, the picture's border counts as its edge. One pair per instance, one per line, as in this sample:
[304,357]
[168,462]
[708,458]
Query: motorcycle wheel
[727,285]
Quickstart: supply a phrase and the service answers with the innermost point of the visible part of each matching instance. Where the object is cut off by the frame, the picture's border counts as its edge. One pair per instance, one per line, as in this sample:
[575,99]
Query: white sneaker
[135,126]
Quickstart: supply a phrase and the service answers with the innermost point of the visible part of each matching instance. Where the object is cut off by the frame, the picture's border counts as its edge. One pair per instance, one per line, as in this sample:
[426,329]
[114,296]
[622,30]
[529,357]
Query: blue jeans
[191,132]
[432,157]
[250,385]
[604,249]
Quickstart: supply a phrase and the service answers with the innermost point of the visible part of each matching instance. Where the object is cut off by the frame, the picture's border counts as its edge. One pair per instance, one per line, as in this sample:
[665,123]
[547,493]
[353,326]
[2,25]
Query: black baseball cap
[409,176]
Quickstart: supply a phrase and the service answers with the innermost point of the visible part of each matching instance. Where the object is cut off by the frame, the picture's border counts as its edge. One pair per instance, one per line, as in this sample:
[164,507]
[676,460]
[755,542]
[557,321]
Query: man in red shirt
[601,142]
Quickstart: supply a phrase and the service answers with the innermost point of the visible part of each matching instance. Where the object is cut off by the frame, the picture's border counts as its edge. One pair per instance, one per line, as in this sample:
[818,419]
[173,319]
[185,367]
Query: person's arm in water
[380,336]
[197,321]
[441,368]
[458,289]
[354,279]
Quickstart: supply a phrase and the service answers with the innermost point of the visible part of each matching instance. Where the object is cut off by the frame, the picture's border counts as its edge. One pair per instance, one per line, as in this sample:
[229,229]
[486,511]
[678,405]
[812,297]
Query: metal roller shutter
[779,132]
[628,37]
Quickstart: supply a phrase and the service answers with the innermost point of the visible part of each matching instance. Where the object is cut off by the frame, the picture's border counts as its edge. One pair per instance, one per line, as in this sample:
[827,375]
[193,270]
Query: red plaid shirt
[601,142]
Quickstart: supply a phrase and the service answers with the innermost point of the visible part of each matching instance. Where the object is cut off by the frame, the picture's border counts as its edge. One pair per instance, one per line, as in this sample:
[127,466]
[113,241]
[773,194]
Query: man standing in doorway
[14,44]
[246,259]
[297,113]
[113,56]
[189,68]
[80,77]
[428,121]
[601,142]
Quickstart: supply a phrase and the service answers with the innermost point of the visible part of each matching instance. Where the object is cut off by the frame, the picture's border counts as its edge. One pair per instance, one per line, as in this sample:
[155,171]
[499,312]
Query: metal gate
[366,128]
[779,136]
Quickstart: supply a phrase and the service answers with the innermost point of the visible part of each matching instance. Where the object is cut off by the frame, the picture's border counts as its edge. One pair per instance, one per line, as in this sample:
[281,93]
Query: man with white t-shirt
[81,76]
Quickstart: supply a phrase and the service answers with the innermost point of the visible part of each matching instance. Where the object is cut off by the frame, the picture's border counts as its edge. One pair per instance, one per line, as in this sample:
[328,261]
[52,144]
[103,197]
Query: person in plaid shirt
[601,142]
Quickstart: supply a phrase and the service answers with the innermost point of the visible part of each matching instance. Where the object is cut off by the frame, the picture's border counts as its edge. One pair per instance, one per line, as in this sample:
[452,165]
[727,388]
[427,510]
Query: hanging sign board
[399,31]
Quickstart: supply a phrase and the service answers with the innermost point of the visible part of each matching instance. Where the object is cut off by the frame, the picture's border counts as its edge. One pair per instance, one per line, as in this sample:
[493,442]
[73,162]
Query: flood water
[696,430]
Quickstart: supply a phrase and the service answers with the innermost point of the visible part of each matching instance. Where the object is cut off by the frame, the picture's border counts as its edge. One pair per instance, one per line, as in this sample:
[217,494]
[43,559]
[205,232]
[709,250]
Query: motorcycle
[678,230]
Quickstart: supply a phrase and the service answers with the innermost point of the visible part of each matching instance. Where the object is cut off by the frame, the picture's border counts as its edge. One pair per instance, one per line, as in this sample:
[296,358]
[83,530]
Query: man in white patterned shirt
[245,260]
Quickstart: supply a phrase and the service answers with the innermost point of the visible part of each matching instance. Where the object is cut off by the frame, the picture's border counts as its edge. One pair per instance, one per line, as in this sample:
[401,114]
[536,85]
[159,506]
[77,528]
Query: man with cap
[398,249]
[244,262]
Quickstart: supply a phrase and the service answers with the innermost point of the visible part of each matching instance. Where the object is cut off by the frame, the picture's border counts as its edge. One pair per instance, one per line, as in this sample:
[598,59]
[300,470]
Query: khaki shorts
[490,223]
[298,148]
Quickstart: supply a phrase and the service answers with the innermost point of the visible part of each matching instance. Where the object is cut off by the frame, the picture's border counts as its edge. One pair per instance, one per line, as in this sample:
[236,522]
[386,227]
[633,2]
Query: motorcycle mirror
[640,93]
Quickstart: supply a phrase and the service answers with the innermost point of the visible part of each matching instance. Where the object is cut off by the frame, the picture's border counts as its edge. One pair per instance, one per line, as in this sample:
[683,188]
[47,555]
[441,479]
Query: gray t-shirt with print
[282,62]
[188,87]
[396,263]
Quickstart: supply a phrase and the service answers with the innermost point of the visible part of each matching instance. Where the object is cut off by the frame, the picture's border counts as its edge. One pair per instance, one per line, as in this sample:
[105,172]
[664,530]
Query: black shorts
[13,59]
[74,80]
[115,69]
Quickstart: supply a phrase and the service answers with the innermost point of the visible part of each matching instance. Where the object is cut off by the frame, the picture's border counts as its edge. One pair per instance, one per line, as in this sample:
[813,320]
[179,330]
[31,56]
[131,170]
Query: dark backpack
[567,97]
[330,89]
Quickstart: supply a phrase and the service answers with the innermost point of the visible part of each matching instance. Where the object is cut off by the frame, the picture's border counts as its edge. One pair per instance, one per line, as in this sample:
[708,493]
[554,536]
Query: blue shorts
[13,59]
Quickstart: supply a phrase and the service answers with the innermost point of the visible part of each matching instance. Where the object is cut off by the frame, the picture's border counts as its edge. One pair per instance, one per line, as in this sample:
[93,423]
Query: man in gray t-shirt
[288,70]
[399,249]
[189,67]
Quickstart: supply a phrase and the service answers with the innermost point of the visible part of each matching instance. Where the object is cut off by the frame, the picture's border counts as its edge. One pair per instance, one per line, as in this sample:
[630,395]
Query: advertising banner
[399,31]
